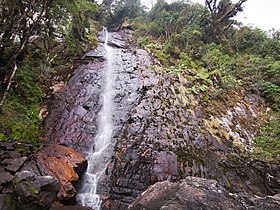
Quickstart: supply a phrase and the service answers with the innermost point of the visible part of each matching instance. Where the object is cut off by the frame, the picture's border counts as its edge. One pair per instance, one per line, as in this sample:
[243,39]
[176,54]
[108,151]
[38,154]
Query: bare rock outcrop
[195,193]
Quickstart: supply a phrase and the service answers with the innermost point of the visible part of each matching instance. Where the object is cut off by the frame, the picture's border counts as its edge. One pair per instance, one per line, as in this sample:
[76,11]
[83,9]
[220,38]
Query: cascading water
[100,152]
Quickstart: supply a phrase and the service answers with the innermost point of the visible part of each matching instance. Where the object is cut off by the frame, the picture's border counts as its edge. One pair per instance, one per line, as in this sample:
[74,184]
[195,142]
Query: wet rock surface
[65,164]
[99,52]
[7,202]
[163,131]
[72,120]
[13,157]
[198,193]
[33,191]
[32,178]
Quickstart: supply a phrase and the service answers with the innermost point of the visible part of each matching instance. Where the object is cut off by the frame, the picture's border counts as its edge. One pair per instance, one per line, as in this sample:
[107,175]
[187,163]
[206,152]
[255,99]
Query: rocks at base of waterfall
[12,161]
[7,202]
[59,206]
[98,52]
[71,208]
[34,192]
[198,193]
[5,177]
[14,164]
[27,176]
[65,164]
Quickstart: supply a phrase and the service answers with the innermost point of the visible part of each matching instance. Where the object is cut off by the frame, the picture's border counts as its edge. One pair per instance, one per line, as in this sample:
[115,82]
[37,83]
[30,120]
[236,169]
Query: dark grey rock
[61,207]
[99,52]
[14,154]
[197,193]
[8,188]
[2,169]
[31,165]
[257,203]
[7,202]
[13,165]
[34,192]
[116,40]
[5,177]
[165,166]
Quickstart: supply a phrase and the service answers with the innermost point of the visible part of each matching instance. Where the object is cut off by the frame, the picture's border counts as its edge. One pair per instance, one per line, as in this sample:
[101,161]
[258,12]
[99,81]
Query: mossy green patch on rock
[214,126]
[34,190]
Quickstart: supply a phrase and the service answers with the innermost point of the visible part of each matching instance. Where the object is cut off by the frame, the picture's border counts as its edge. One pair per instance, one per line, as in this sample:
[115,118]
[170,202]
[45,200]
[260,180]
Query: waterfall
[100,152]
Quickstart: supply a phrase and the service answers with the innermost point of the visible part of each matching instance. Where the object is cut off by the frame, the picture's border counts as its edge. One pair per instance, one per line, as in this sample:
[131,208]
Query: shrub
[267,145]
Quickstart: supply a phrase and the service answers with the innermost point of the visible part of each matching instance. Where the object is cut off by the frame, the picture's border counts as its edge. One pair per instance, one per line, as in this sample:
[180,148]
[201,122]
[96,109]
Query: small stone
[5,177]
[2,169]
[99,52]
[14,154]
[13,165]
[30,166]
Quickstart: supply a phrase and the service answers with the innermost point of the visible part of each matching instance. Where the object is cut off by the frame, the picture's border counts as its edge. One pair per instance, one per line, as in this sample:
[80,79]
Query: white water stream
[100,153]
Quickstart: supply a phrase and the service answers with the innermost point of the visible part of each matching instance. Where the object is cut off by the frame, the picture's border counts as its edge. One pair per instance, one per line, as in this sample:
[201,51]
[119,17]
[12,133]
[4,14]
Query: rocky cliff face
[163,131]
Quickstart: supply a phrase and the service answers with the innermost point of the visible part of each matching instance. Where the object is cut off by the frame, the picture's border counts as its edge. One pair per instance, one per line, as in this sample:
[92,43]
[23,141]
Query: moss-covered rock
[34,192]
[7,202]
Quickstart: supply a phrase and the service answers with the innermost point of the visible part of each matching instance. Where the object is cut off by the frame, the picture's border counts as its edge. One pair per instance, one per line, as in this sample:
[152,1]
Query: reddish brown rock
[65,164]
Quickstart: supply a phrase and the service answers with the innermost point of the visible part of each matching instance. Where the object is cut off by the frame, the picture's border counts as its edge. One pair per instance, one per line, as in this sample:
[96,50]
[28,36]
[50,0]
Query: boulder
[198,193]
[71,208]
[65,164]
[58,206]
[116,40]
[34,192]
[98,52]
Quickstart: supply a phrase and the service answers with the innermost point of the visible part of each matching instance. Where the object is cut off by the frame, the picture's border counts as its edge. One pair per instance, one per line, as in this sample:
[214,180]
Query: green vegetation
[187,35]
[267,145]
[215,54]
[202,44]
[34,190]
[39,40]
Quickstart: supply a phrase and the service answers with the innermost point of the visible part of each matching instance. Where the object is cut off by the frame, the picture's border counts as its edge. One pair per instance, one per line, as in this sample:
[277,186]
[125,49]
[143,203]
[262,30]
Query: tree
[125,9]
[19,21]
[24,22]
[221,14]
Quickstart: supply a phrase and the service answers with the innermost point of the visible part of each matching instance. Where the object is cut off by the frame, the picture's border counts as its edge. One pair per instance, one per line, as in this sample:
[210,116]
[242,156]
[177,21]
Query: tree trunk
[8,87]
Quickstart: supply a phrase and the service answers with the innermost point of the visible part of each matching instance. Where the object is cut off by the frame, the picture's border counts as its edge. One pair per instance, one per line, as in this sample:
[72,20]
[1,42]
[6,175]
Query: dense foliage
[38,41]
